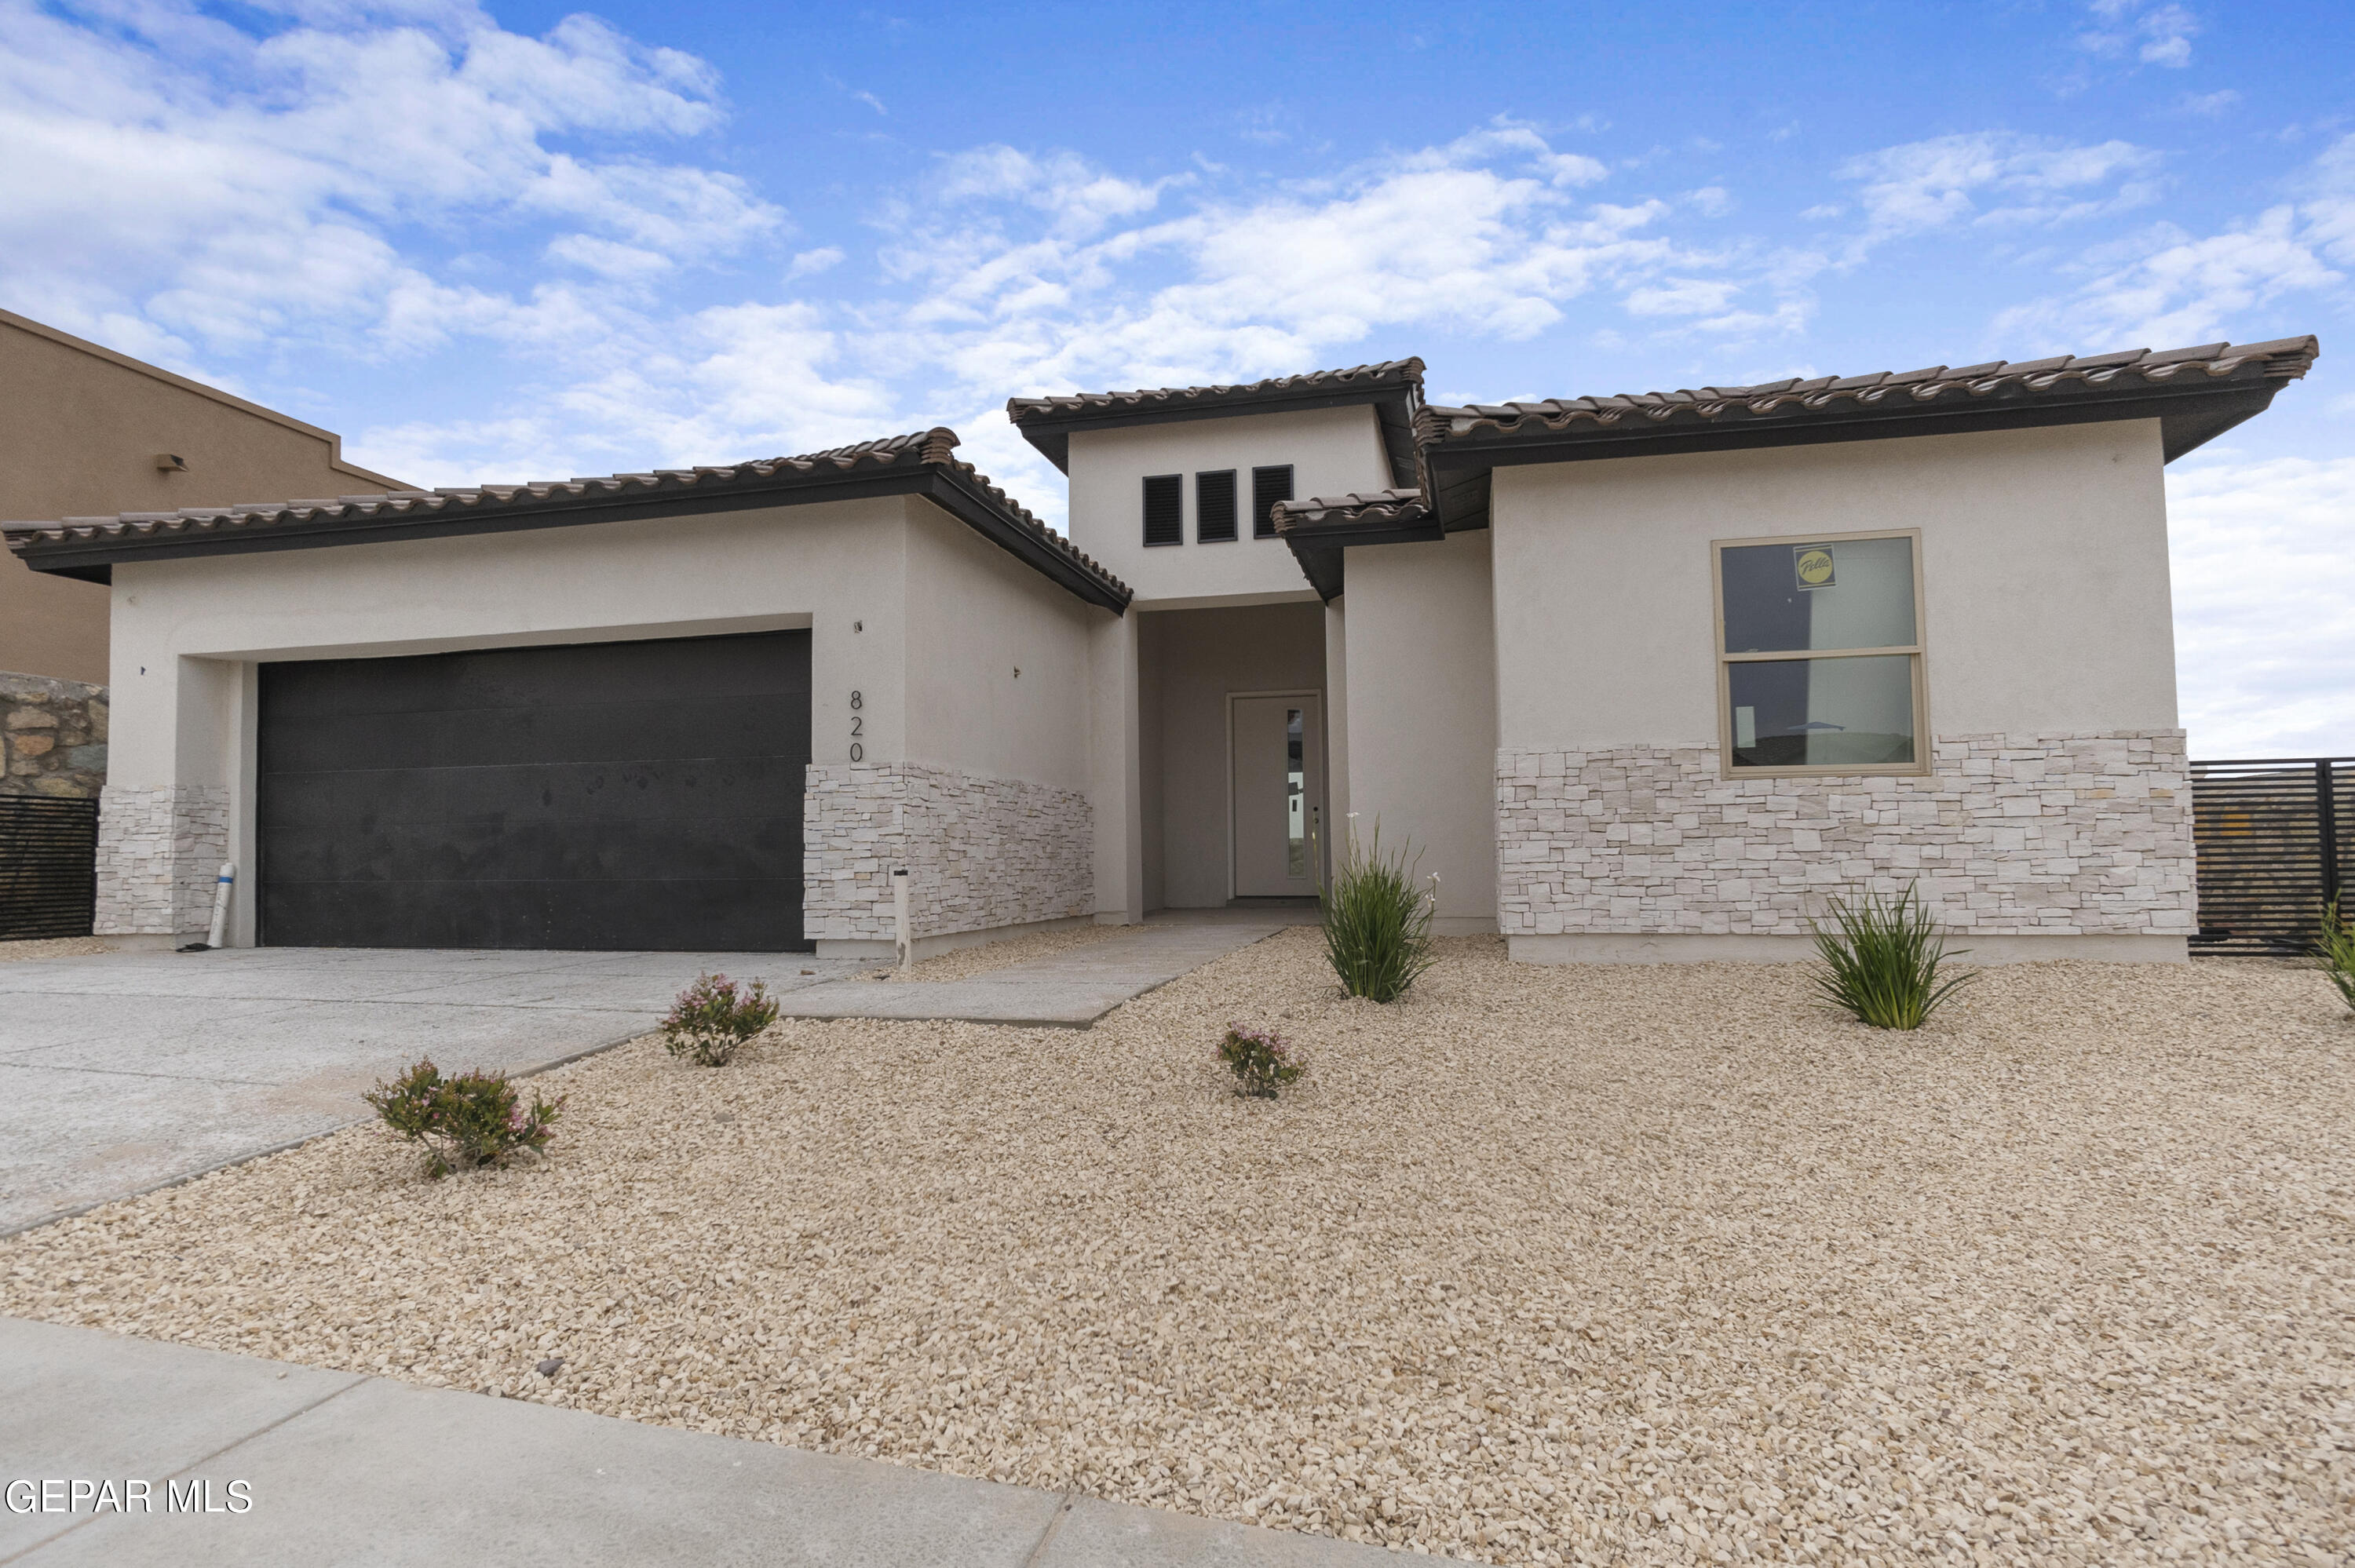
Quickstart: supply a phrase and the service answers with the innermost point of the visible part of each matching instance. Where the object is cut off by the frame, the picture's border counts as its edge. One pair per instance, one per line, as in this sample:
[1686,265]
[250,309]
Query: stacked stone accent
[159,849]
[981,853]
[2073,834]
[52,737]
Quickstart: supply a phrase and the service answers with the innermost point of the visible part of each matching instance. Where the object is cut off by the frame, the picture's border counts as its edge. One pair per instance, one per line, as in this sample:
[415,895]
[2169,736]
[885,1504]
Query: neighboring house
[1639,677]
[84,429]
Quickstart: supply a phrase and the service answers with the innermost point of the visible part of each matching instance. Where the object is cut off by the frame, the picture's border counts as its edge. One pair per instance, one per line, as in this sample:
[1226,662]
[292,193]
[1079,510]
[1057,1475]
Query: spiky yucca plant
[1377,924]
[1881,958]
[2337,946]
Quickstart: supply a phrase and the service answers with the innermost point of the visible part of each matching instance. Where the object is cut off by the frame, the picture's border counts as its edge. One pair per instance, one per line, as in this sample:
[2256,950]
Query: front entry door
[1279,795]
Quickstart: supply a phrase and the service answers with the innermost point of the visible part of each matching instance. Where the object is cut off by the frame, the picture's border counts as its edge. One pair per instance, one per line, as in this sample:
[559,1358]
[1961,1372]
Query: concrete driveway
[123,1071]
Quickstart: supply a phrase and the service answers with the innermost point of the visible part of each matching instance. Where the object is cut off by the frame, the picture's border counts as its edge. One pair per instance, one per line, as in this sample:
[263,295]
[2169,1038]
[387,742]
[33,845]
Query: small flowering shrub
[1262,1061]
[473,1120]
[713,1018]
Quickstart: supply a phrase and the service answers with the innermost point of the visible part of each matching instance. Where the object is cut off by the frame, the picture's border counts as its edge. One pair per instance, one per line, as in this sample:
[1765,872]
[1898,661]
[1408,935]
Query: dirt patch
[1640,1264]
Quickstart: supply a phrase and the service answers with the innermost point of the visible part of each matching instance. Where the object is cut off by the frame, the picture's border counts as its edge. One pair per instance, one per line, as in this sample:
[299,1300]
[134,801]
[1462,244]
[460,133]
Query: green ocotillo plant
[2337,946]
[1881,958]
[1377,921]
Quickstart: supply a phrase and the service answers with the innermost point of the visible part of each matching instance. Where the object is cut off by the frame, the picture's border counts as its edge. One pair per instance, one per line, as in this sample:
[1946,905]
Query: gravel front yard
[1596,1264]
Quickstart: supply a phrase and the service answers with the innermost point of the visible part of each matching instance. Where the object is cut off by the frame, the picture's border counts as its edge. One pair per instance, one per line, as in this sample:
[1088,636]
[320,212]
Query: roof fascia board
[2182,429]
[951,491]
[92,560]
[1052,434]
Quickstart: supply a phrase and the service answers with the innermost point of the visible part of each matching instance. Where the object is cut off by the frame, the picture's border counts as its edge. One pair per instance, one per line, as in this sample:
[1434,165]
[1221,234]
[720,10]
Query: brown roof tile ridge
[1384,505]
[1407,372]
[2281,359]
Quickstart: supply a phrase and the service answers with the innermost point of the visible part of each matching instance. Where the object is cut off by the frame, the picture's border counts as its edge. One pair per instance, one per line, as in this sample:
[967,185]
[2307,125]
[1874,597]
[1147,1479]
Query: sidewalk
[339,1468]
[1071,989]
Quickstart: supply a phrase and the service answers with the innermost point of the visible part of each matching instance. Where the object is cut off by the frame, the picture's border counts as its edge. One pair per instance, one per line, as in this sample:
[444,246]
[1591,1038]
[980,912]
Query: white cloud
[1995,179]
[2209,105]
[2264,569]
[239,190]
[2166,287]
[2154,35]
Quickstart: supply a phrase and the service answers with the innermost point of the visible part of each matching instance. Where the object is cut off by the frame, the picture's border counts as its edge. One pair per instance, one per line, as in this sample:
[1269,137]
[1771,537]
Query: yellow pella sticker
[1814,565]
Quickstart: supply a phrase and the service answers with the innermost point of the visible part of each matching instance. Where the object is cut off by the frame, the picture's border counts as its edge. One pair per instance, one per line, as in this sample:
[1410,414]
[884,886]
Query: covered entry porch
[1234,754]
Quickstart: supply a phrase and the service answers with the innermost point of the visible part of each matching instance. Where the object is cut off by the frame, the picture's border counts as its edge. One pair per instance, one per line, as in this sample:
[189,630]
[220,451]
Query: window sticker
[1812,565]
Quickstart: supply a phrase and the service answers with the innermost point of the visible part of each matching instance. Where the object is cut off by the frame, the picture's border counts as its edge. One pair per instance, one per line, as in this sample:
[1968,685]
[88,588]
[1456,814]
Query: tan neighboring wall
[80,430]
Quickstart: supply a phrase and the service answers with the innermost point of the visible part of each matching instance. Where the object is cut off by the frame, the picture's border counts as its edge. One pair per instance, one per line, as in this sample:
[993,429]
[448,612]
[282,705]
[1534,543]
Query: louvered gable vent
[1164,508]
[1214,507]
[1269,485]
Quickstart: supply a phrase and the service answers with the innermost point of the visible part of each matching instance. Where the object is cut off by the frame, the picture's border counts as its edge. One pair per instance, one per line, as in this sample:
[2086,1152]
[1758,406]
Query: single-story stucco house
[1639,677]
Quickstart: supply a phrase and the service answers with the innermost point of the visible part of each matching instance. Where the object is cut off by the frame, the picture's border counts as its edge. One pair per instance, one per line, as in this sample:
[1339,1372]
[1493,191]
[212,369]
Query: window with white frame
[1820,654]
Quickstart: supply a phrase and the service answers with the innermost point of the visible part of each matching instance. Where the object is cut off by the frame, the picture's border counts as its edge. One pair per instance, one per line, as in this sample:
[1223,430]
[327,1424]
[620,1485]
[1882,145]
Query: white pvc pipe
[899,915]
[222,887]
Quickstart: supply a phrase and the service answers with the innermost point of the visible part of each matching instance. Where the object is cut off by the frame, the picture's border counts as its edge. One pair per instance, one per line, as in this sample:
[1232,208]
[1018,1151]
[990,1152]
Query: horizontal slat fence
[48,866]
[2276,839]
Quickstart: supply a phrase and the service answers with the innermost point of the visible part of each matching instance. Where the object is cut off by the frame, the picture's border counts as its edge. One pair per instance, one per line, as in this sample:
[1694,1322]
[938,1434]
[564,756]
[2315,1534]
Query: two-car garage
[600,796]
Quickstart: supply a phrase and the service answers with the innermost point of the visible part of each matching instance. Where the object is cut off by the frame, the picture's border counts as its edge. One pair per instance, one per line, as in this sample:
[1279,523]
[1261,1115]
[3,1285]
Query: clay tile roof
[2127,383]
[1393,387]
[86,546]
[1358,508]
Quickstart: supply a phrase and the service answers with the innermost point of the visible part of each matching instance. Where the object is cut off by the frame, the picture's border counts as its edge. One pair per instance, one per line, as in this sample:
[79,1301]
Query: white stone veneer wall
[982,853]
[2027,834]
[159,849]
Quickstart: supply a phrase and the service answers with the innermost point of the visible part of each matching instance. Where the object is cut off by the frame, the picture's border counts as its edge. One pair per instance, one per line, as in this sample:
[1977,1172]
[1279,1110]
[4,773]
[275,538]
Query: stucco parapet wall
[981,853]
[52,736]
[2077,834]
[159,849]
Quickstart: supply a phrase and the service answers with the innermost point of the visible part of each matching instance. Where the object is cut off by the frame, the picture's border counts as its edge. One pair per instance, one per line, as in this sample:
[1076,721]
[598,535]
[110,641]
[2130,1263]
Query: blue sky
[525,241]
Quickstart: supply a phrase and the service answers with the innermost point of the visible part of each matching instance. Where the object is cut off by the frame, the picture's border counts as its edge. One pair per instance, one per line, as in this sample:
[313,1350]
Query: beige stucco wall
[1192,661]
[1422,724]
[79,430]
[1332,452]
[188,634]
[2044,579]
[2053,819]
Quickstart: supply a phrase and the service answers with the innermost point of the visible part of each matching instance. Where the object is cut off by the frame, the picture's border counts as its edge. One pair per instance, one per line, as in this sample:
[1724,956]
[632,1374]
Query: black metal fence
[2276,839]
[48,866]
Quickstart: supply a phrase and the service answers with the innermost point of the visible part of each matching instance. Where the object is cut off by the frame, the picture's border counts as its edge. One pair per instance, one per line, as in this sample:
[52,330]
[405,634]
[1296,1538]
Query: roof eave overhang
[2187,419]
[1318,547]
[94,559]
[1393,406]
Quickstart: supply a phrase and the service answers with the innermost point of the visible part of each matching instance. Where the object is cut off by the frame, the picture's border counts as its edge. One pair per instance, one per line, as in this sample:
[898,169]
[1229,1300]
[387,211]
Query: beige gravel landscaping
[53,948]
[1622,1265]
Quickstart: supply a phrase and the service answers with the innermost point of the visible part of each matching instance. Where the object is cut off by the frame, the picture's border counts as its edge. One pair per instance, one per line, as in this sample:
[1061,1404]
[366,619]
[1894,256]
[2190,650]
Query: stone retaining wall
[2025,834]
[52,737]
[981,853]
[159,849]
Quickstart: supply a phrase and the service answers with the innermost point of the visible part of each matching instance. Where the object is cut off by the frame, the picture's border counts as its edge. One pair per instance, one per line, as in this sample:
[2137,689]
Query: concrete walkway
[119,1072]
[339,1468]
[1071,989]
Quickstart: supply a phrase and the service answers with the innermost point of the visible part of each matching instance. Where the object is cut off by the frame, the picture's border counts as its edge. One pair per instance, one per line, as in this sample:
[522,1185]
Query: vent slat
[1269,485]
[48,866]
[1214,507]
[1165,509]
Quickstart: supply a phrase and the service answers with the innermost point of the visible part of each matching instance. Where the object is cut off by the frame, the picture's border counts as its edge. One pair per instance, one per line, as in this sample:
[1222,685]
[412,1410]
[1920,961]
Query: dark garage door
[607,796]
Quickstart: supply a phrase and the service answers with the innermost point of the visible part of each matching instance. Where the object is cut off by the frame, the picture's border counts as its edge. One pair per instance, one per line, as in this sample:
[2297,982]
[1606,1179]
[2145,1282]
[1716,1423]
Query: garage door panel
[529,677]
[694,848]
[594,917]
[695,786]
[586,731]
[604,796]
